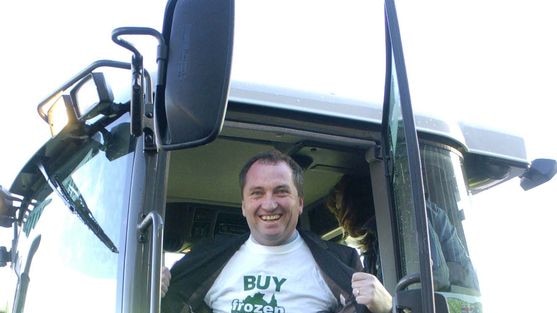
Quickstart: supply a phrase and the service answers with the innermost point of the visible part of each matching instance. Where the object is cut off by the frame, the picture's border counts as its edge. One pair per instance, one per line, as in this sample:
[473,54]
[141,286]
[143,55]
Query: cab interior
[203,193]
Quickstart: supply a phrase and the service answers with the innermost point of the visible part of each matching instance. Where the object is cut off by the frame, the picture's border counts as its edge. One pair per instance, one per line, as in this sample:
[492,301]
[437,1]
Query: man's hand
[165,280]
[369,291]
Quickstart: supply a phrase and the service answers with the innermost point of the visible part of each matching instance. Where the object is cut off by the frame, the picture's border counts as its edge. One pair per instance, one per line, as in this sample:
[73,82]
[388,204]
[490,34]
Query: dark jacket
[195,273]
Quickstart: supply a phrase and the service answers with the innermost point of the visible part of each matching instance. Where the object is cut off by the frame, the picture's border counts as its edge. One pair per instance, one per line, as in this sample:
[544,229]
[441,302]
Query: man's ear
[301,203]
[243,212]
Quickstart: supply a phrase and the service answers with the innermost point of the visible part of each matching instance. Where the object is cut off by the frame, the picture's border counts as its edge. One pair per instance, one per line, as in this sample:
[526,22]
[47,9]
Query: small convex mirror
[91,96]
[60,114]
[199,36]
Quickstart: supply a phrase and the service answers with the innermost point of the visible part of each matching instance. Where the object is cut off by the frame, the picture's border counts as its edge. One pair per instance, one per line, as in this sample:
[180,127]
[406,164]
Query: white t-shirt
[271,279]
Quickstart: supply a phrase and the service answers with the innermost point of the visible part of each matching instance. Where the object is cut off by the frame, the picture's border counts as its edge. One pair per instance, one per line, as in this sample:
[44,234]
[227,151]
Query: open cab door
[403,165]
[433,269]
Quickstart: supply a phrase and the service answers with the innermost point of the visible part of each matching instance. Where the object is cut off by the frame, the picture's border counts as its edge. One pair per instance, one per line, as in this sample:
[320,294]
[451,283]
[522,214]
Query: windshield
[57,245]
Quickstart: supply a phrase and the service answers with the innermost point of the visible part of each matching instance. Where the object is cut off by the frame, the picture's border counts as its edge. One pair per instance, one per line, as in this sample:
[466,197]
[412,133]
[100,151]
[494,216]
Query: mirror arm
[148,123]
[138,75]
[137,101]
[121,31]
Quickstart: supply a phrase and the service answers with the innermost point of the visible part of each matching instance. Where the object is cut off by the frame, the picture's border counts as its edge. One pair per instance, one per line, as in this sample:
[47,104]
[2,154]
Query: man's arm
[457,259]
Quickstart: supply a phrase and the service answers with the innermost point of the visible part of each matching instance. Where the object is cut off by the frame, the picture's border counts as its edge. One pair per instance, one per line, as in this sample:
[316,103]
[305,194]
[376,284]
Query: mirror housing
[539,172]
[196,78]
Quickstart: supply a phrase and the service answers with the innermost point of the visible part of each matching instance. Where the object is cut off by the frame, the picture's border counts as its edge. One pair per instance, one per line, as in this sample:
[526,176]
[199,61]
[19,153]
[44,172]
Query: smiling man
[271,202]
[274,268]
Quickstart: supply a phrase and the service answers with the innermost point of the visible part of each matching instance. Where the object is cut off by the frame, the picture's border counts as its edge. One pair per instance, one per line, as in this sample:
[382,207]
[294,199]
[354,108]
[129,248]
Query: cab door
[403,170]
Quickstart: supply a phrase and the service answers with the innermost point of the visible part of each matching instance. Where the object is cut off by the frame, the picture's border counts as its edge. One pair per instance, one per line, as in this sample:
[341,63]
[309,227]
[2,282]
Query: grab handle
[155,220]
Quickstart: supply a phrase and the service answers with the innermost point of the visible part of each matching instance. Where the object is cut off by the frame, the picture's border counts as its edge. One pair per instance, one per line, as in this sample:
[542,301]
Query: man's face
[271,204]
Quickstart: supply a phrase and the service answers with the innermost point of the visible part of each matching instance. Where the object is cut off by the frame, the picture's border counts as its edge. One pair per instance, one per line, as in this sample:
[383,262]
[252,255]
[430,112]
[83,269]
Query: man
[274,268]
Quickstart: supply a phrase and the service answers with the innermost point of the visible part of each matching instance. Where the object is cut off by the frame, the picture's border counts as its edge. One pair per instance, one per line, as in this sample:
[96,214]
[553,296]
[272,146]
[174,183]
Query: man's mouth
[270,218]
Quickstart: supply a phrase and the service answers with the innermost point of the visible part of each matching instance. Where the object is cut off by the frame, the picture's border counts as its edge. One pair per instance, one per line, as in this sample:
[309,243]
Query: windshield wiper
[77,206]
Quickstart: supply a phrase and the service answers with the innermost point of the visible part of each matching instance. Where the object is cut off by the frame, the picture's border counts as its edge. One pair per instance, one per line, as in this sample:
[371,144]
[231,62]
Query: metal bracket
[374,153]
[139,75]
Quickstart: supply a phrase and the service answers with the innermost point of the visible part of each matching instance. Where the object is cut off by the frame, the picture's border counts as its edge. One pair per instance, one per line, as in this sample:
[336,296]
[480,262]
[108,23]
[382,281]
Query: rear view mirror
[539,172]
[199,36]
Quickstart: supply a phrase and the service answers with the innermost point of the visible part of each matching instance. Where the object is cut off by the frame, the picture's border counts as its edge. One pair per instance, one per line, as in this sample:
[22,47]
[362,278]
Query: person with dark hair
[351,203]
[276,267]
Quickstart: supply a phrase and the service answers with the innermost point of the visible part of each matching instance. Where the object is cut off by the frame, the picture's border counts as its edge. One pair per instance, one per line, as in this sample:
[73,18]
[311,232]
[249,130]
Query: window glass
[400,181]
[72,270]
[446,198]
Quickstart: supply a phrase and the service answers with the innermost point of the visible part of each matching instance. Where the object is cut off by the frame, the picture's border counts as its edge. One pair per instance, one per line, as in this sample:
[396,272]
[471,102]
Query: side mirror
[61,114]
[196,78]
[88,96]
[539,172]
[91,96]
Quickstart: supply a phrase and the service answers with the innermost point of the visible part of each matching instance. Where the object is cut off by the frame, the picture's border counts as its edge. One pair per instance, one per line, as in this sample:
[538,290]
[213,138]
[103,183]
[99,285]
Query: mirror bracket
[138,87]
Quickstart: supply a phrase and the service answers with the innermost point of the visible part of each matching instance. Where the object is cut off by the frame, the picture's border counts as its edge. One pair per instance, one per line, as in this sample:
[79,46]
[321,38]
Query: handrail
[155,220]
[402,284]
[407,281]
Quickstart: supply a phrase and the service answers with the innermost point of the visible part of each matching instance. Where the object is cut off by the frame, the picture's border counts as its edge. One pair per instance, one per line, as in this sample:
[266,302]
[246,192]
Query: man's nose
[268,203]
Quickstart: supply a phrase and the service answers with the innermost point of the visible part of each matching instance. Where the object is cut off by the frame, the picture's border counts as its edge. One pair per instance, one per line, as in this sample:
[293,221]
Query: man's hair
[274,157]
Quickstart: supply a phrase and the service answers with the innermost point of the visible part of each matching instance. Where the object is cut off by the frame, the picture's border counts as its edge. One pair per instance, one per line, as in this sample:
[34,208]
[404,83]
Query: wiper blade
[77,206]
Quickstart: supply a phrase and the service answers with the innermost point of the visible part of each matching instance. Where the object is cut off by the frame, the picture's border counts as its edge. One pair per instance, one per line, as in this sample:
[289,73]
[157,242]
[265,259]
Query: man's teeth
[270,217]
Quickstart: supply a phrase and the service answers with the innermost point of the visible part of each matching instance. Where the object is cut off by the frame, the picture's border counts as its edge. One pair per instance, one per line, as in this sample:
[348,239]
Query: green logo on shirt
[256,304]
